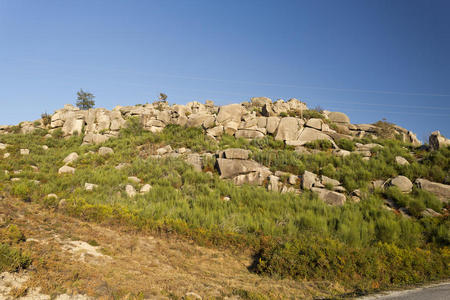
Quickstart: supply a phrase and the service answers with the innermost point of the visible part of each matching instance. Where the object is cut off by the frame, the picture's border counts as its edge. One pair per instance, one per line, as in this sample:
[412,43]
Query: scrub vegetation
[362,246]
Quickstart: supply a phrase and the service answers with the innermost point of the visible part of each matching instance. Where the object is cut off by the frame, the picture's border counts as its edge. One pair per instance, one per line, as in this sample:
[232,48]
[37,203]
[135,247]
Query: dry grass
[137,265]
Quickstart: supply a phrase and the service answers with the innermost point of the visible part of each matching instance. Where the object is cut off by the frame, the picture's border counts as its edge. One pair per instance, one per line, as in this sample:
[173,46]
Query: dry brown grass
[137,265]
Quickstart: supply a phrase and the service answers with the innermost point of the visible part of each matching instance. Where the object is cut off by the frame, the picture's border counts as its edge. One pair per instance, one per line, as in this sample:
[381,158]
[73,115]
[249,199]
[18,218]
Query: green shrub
[324,259]
[12,260]
[14,235]
[346,144]
[319,144]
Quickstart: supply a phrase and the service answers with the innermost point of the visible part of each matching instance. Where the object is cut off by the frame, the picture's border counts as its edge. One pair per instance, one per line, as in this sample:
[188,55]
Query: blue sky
[369,59]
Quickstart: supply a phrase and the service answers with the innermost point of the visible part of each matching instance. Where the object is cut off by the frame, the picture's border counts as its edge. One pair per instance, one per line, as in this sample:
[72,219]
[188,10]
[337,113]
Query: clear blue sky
[370,59]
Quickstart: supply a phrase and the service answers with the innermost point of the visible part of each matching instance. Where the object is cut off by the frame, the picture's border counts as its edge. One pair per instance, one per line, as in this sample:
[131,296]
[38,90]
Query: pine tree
[85,100]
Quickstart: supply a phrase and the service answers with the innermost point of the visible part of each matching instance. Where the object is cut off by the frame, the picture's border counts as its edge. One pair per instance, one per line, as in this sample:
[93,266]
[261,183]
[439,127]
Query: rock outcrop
[438,141]
[440,190]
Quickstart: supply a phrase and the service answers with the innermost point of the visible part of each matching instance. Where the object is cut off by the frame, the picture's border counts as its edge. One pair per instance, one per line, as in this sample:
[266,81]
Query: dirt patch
[73,257]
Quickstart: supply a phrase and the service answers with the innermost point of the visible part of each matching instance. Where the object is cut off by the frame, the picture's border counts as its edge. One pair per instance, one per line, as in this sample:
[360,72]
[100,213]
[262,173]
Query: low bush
[382,265]
[346,144]
[12,260]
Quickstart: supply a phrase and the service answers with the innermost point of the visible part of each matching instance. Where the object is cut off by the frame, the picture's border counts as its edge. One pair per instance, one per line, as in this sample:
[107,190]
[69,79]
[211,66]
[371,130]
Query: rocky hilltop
[302,194]
[289,121]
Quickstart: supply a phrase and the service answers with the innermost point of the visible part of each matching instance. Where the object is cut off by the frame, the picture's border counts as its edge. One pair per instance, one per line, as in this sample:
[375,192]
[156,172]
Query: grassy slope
[362,246]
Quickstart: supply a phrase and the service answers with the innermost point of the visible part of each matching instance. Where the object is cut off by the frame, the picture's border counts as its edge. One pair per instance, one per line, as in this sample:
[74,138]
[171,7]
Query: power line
[370,91]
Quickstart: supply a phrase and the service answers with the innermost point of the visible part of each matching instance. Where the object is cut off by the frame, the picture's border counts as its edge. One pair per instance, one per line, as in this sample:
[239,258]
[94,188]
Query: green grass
[296,235]
[12,259]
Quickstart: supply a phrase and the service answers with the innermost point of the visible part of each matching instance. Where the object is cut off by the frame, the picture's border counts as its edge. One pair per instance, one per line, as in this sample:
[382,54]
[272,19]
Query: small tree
[162,97]
[85,100]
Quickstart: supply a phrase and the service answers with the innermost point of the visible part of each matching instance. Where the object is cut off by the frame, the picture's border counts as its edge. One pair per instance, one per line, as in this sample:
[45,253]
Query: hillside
[299,202]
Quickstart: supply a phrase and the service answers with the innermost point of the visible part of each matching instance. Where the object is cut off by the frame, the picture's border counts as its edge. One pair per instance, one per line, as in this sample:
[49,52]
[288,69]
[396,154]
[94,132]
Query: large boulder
[314,123]
[272,124]
[339,117]
[308,180]
[71,158]
[201,119]
[288,129]
[402,183]
[229,168]
[310,134]
[440,190]
[260,101]
[72,125]
[117,122]
[255,178]
[195,160]
[66,170]
[401,161]
[438,141]
[236,153]
[231,112]
[103,151]
[330,197]
[95,138]
[249,134]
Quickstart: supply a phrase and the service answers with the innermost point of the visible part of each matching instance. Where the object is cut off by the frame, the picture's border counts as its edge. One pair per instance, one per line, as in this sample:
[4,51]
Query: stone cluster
[254,119]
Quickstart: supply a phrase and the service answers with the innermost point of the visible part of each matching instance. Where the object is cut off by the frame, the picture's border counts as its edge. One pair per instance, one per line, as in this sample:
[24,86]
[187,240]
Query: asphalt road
[434,292]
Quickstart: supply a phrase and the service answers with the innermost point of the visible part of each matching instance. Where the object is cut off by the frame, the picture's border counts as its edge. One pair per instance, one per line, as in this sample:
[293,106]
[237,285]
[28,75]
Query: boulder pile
[251,120]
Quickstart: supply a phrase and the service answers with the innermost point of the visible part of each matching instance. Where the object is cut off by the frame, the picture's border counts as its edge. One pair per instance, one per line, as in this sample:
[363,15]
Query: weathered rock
[3,146]
[402,183]
[249,134]
[309,135]
[267,110]
[45,147]
[130,190]
[6,155]
[236,153]
[339,117]
[440,190]
[314,123]
[66,170]
[272,124]
[71,158]
[145,189]
[330,197]
[308,180]
[117,122]
[134,179]
[288,129]
[90,186]
[201,120]
[121,166]
[24,151]
[341,152]
[260,101]
[72,126]
[95,138]
[438,141]
[231,112]
[273,183]
[231,127]
[401,161]
[428,212]
[103,151]
[195,160]
[293,179]
[215,131]
[230,168]
[261,122]
[327,180]
[164,150]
